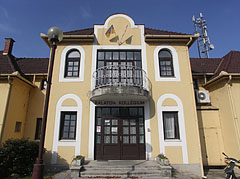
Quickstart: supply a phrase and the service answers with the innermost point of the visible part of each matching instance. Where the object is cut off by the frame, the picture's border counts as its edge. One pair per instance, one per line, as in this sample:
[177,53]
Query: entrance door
[119,133]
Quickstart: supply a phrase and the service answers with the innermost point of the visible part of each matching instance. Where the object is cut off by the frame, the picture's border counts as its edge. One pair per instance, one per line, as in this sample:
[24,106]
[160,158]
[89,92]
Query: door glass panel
[133,140]
[125,130]
[126,139]
[98,121]
[107,130]
[140,111]
[141,130]
[114,139]
[140,121]
[115,122]
[105,111]
[106,139]
[114,130]
[107,122]
[115,112]
[141,139]
[125,122]
[133,111]
[132,122]
[132,130]
[98,139]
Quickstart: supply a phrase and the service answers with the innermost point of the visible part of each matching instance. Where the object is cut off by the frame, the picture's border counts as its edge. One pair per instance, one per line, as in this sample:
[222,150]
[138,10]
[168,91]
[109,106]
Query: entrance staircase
[128,169]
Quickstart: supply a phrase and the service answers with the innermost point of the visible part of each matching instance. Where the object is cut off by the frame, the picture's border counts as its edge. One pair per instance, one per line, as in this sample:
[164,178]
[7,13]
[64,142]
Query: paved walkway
[210,174]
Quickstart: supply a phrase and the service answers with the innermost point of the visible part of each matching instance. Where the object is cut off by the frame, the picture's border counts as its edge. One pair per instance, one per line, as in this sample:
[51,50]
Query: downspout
[229,84]
[10,82]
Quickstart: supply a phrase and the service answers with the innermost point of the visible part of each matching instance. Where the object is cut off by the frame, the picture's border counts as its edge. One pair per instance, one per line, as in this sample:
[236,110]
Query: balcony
[120,82]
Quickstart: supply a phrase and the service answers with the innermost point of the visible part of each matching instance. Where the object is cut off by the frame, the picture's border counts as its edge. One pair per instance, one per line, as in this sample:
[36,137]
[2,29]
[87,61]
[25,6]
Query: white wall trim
[120,15]
[175,64]
[63,62]
[182,142]
[76,143]
[148,145]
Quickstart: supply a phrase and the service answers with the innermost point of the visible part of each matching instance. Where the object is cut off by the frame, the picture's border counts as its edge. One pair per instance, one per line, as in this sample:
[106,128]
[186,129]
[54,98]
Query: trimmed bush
[17,157]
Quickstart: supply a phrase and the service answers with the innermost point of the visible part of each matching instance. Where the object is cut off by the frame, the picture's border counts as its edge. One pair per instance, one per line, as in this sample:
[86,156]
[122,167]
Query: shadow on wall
[152,107]
[148,150]
[54,168]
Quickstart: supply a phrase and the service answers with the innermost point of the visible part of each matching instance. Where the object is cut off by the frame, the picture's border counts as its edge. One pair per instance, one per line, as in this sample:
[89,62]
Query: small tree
[17,156]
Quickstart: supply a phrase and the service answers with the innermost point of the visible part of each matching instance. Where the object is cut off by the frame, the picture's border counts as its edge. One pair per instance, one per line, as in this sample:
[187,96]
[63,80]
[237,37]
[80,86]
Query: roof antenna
[203,41]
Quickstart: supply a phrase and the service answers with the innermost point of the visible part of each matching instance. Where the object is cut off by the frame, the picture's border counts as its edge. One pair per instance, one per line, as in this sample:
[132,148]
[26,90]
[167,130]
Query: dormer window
[72,64]
[165,63]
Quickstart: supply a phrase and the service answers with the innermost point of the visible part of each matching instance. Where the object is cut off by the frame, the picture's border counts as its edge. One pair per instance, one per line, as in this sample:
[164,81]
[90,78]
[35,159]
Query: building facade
[122,91]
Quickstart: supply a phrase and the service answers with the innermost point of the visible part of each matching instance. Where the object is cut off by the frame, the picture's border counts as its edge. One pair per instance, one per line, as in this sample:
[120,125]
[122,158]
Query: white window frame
[65,51]
[176,71]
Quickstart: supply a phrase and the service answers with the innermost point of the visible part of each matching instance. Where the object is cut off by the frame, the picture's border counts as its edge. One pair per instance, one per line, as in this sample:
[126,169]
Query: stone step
[163,173]
[127,177]
[127,167]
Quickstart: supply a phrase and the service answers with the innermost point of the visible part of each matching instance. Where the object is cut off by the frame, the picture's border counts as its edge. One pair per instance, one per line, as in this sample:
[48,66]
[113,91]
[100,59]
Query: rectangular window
[38,128]
[170,125]
[18,126]
[68,125]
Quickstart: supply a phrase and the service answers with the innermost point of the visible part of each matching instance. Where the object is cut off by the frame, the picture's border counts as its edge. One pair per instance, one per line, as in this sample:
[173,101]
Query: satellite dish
[211,46]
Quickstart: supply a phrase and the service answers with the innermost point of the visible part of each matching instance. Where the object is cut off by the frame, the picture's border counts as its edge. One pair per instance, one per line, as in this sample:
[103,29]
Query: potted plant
[162,159]
[78,160]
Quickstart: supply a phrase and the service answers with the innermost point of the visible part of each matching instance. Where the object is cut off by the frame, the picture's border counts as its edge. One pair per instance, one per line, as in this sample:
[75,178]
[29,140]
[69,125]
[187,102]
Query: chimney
[8,46]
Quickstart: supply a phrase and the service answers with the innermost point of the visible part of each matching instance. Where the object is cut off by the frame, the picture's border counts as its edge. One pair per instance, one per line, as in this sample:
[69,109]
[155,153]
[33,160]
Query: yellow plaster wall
[17,109]
[184,90]
[211,137]
[169,102]
[81,89]
[69,102]
[174,154]
[123,31]
[65,154]
[35,109]
[4,91]
[222,97]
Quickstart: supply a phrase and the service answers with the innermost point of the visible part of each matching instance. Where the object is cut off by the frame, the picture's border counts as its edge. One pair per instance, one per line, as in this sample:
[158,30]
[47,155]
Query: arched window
[72,64]
[165,63]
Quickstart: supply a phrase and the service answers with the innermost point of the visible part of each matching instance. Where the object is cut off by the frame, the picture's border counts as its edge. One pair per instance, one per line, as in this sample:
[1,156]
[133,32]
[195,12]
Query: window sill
[172,140]
[65,140]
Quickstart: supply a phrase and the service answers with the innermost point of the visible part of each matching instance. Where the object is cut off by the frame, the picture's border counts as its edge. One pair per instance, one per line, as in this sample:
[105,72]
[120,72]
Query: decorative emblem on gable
[116,38]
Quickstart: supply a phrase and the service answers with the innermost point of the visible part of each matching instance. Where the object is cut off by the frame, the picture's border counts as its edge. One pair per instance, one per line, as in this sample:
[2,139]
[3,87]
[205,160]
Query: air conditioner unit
[202,96]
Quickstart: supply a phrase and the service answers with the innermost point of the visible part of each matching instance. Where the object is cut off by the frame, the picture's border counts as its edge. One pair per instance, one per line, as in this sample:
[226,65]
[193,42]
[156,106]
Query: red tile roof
[148,31]
[88,31]
[230,63]
[204,65]
[33,65]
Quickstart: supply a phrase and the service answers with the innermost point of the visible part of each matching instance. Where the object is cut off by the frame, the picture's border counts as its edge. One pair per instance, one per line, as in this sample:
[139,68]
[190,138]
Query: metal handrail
[121,75]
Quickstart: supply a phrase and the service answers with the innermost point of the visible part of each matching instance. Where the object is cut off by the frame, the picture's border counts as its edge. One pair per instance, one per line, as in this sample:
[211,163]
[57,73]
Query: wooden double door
[119,133]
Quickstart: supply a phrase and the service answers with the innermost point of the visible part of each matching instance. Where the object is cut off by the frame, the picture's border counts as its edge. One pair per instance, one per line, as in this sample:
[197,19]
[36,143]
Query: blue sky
[24,20]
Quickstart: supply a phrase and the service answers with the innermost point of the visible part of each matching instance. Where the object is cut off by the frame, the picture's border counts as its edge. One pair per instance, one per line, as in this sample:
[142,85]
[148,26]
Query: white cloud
[85,12]
[6,28]
[4,11]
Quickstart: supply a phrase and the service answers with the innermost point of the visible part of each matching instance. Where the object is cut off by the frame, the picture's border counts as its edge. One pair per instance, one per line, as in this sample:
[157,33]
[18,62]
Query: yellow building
[122,91]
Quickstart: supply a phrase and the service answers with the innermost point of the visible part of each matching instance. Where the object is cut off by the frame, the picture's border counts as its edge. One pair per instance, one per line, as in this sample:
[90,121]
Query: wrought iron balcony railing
[121,75]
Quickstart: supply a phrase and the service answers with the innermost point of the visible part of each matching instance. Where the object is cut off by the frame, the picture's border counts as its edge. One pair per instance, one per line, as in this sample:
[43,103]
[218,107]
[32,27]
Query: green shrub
[17,156]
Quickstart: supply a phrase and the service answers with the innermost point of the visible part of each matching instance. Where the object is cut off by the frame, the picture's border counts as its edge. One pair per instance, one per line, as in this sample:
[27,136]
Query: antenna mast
[203,41]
